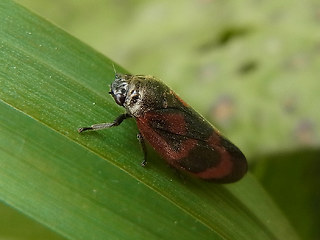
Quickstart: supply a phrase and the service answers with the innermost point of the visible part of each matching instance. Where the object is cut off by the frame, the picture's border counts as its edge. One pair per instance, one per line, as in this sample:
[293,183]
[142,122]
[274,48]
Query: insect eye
[119,99]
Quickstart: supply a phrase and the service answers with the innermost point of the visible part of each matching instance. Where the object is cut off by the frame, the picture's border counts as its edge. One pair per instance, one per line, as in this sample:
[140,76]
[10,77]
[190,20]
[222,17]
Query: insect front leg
[101,126]
[144,149]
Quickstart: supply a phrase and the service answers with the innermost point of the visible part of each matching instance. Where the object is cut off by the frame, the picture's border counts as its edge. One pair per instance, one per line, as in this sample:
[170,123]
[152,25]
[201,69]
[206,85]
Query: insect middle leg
[144,149]
[101,126]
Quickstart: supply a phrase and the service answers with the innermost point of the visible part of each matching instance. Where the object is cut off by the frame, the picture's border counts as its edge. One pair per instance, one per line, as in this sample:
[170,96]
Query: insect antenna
[114,69]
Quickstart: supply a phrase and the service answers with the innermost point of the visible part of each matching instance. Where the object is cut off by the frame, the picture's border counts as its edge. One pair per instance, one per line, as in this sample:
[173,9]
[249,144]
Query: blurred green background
[251,67]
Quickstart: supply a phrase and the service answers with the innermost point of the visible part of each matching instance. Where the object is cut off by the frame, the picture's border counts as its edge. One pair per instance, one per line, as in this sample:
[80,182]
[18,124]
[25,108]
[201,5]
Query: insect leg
[101,126]
[144,149]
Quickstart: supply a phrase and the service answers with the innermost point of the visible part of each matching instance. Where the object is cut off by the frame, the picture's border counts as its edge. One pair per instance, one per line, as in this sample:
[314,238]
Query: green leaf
[303,196]
[15,225]
[91,186]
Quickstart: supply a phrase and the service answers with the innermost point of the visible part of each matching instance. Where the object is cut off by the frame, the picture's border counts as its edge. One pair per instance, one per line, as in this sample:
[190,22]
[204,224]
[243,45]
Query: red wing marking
[173,123]
[232,165]
[224,168]
[212,158]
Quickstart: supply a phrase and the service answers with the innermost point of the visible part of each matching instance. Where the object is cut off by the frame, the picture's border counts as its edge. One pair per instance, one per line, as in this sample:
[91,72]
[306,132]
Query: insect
[176,131]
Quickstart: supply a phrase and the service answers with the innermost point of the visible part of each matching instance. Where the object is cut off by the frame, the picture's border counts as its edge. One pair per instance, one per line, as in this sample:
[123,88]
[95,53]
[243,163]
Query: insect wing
[188,142]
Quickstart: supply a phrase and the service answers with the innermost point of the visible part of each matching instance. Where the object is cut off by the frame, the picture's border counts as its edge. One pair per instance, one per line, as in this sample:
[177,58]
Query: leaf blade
[39,79]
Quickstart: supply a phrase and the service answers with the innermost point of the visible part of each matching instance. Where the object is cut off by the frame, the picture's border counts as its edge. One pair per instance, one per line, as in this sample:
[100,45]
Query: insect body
[176,131]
